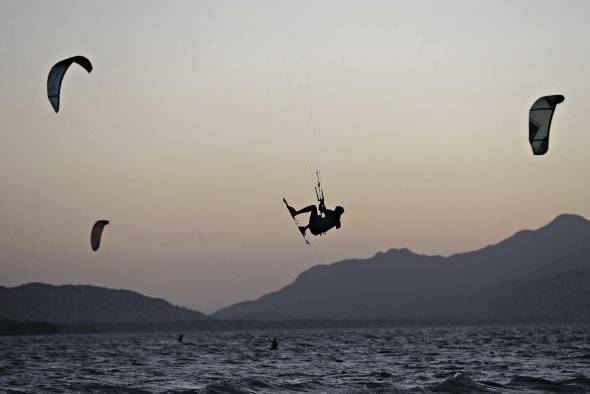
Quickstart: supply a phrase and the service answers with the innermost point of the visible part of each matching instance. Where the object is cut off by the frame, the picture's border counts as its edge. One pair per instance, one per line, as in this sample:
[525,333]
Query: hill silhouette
[536,274]
[35,302]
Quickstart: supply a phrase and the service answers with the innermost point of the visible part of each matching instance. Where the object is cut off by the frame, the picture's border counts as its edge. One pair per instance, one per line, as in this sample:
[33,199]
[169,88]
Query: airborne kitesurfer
[318,223]
[321,219]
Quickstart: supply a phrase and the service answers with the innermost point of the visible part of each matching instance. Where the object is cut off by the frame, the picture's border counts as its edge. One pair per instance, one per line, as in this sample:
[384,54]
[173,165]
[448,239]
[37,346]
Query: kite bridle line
[319,192]
[306,64]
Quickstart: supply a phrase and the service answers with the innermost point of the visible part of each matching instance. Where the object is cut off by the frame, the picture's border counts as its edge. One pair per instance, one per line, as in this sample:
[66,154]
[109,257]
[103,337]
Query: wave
[106,389]
[225,388]
[461,383]
[579,384]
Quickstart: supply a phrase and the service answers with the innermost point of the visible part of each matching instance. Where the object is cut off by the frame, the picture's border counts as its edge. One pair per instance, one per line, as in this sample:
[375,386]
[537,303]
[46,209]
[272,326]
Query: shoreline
[16,328]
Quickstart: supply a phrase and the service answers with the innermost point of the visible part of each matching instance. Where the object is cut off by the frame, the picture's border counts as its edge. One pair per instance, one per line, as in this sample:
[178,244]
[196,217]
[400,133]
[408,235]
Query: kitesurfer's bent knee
[312,209]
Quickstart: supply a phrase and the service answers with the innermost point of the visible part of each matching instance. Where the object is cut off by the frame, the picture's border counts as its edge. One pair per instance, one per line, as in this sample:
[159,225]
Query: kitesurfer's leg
[312,209]
[292,210]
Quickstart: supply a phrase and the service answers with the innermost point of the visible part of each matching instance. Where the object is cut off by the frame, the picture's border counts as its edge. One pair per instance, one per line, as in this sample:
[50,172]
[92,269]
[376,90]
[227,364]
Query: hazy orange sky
[199,116]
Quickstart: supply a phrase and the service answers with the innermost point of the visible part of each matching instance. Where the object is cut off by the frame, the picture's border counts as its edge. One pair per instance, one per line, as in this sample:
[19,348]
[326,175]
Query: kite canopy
[56,75]
[540,116]
[96,233]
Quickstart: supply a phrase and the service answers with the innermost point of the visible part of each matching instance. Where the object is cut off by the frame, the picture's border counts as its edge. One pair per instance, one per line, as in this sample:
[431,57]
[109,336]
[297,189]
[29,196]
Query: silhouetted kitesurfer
[274,345]
[318,224]
[321,219]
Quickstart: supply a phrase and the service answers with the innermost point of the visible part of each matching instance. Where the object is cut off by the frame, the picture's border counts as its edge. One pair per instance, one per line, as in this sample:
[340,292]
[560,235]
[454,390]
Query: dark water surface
[527,359]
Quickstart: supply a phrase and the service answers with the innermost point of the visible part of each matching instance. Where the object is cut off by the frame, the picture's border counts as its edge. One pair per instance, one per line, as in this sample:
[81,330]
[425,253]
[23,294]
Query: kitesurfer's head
[339,210]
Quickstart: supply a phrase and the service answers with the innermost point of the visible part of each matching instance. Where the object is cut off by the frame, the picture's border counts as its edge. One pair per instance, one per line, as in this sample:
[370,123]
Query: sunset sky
[199,116]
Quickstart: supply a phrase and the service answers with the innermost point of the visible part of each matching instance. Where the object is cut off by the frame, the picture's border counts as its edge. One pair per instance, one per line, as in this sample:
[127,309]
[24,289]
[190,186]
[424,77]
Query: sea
[464,359]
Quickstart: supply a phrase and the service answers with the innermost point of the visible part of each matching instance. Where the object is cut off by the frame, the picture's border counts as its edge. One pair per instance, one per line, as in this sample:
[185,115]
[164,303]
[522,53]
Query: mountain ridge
[393,284]
[35,301]
[400,283]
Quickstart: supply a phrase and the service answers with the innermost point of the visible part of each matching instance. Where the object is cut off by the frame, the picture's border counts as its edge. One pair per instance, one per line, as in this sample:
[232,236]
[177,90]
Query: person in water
[180,338]
[319,223]
[274,345]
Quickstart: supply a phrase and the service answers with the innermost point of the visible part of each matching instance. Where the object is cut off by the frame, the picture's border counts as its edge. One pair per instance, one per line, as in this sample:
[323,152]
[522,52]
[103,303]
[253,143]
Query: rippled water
[437,359]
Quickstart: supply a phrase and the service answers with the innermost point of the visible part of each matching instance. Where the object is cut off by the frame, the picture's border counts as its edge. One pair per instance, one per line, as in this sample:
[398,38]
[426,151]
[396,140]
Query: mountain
[12,327]
[548,267]
[35,302]
[564,297]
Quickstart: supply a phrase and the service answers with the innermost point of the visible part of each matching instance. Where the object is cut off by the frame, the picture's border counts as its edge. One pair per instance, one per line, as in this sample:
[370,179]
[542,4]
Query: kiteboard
[297,223]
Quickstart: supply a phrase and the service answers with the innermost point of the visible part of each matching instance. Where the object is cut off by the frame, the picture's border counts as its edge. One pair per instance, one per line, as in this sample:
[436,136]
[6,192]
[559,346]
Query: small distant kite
[56,75]
[96,233]
[540,116]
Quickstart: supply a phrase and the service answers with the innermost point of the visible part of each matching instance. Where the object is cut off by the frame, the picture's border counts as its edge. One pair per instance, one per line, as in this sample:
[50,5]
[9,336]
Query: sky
[200,116]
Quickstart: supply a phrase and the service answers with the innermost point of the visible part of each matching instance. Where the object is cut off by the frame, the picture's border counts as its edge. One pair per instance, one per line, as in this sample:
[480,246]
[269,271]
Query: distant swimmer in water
[274,345]
[180,338]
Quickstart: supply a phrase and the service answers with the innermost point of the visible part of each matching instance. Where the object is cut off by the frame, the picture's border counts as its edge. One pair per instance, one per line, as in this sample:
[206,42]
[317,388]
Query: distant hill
[563,297]
[38,302]
[543,273]
[12,327]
